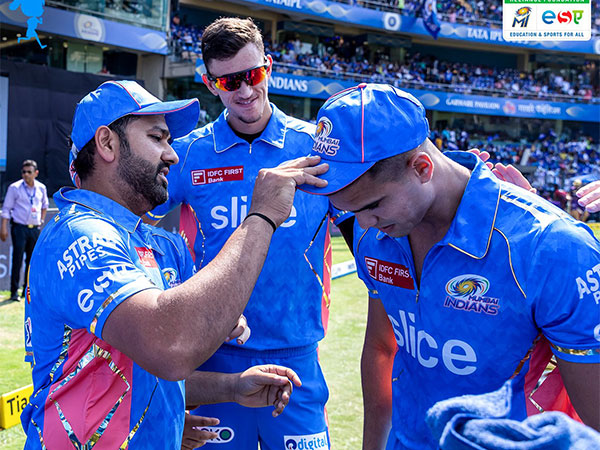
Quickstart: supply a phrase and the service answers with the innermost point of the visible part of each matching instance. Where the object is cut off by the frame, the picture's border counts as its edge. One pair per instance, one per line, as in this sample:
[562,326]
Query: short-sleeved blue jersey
[215,177]
[513,277]
[93,256]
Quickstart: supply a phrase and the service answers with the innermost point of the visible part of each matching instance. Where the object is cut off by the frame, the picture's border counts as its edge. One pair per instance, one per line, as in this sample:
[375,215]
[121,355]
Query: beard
[141,177]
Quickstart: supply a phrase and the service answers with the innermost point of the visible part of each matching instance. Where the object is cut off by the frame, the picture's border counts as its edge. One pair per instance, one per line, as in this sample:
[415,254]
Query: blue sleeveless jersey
[514,280]
[215,176]
[93,256]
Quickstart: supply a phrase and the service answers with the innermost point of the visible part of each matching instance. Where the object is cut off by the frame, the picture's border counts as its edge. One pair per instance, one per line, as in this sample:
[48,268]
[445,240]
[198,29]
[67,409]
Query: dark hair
[226,36]
[30,162]
[392,168]
[84,163]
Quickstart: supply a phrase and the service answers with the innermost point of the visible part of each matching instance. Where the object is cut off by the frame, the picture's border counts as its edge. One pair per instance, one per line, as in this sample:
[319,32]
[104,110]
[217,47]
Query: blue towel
[478,422]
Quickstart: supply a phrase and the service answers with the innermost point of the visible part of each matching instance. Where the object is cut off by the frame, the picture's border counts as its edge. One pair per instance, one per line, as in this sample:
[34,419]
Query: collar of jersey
[100,204]
[470,231]
[273,134]
[473,224]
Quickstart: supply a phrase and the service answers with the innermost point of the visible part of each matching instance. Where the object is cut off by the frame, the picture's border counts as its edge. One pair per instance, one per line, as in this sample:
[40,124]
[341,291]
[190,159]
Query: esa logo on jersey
[224,434]
[307,442]
[466,292]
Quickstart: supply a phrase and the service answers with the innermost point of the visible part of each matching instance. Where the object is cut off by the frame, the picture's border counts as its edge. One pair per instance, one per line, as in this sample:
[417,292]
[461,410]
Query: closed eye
[370,206]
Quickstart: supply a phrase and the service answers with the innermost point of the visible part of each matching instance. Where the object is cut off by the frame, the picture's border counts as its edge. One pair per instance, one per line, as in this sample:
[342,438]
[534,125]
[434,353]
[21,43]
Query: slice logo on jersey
[307,442]
[323,143]
[146,257]
[390,273]
[171,277]
[466,293]
[224,434]
[217,175]
[589,284]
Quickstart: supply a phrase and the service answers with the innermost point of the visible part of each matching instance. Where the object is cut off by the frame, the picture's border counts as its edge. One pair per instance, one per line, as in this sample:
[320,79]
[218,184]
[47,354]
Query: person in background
[25,206]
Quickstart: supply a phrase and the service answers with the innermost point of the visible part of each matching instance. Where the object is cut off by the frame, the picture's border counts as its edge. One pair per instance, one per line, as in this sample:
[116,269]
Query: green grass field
[339,354]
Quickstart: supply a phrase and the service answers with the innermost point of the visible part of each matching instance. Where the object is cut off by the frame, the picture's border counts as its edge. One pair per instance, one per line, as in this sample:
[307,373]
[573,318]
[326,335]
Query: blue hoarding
[58,22]
[392,21]
[322,88]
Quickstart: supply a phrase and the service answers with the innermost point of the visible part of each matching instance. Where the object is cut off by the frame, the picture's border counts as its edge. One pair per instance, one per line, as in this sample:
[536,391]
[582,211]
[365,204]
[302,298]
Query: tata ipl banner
[323,88]
[59,22]
[392,21]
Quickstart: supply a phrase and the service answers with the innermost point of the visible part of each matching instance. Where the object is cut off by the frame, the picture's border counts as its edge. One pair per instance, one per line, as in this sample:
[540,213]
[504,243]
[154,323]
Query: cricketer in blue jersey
[288,308]
[110,328]
[472,281]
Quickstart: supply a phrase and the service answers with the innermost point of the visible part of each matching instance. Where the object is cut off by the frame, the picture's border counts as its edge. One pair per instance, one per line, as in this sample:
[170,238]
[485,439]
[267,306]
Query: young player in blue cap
[472,281]
[106,338]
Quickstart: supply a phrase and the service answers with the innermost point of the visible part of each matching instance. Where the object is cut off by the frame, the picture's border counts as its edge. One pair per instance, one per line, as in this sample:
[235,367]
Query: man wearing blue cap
[106,339]
[472,281]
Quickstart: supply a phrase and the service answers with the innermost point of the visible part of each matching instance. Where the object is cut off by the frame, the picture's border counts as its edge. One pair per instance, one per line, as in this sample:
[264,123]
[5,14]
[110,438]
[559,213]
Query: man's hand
[589,197]
[512,175]
[3,234]
[508,173]
[241,331]
[275,188]
[266,385]
[193,435]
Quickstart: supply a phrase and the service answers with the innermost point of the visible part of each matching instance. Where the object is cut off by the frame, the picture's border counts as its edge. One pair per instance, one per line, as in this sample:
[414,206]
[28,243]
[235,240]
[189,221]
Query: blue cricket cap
[362,125]
[115,99]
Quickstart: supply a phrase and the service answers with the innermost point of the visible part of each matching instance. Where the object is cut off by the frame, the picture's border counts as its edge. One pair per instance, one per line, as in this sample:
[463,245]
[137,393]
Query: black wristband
[265,218]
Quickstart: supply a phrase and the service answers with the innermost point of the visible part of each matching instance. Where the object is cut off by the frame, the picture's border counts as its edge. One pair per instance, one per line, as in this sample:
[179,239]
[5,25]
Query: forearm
[583,386]
[203,388]
[377,398]
[171,332]
[43,215]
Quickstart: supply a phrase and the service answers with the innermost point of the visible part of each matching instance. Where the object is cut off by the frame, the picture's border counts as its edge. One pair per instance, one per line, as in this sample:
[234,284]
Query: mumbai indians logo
[466,293]
[170,275]
[463,286]
[323,143]
[522,16]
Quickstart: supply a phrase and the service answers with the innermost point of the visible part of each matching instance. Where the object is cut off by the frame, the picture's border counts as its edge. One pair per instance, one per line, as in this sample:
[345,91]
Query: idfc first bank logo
[316,441]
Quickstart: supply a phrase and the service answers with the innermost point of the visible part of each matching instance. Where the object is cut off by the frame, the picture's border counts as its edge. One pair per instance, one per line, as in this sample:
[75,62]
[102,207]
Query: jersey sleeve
[566,272]
[93,273]
[187,268]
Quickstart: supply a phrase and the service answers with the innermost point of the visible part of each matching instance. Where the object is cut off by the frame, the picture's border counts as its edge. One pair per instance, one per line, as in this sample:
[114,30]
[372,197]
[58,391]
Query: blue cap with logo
[362,125]
[115,99]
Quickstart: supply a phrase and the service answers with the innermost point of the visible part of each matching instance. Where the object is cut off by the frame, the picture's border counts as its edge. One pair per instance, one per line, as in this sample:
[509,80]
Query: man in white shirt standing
[25,205]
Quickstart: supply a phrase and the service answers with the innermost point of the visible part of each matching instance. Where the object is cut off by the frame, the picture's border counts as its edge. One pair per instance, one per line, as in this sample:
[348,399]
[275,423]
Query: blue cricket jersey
[514,280]
[93,256]
[215,177]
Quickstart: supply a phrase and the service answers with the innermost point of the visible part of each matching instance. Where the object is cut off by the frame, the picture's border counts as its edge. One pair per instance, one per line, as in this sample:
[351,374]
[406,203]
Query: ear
[107,143]
[422,164]
[210,85]
[270,67]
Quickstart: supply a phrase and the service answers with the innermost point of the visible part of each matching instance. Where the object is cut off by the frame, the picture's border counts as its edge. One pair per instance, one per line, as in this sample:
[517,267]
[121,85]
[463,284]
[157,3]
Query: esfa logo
[565,17]
[522,16]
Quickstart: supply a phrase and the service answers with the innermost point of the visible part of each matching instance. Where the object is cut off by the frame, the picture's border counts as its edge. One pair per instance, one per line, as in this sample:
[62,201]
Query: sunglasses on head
[233,81]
